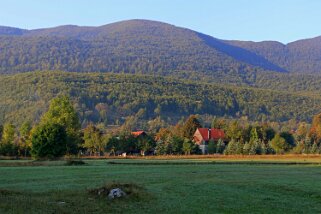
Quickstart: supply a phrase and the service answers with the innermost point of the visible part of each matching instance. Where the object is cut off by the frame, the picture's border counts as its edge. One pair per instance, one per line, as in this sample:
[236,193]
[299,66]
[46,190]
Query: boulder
[116,193]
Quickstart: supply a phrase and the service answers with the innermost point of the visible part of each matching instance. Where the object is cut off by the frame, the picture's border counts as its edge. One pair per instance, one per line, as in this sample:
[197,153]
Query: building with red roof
[203,135]
[139,133]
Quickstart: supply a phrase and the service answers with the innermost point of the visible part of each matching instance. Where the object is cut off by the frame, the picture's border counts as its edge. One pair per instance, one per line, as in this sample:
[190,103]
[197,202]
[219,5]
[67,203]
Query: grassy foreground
[188,187]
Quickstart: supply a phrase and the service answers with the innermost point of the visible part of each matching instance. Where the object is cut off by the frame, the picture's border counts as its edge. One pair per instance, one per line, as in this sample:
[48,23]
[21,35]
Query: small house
[203,135]
[139,134]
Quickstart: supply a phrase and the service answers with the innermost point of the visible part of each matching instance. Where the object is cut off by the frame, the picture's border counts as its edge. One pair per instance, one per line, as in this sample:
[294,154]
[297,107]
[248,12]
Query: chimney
[209,134]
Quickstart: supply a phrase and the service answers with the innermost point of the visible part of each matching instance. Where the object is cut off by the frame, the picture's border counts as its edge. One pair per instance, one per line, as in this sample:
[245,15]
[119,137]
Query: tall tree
[49,140]
[279,144]
[24,139]
[234,131]
[8,134]
[232,148]
[315,131]
[7,146]
[220,147]
[187,146]
[93,139]
[190,126]
[145,144]
[218,123]
[62,112]
[1,131]
[254,135]
[211,147]
[302,131]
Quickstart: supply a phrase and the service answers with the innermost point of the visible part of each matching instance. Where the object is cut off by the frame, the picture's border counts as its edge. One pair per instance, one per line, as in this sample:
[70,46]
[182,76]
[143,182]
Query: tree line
[59,133]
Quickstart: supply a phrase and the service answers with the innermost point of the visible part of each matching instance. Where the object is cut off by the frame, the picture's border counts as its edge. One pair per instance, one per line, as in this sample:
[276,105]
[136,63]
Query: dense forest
[130,47]
[116,98]
[148,47]
[301,56]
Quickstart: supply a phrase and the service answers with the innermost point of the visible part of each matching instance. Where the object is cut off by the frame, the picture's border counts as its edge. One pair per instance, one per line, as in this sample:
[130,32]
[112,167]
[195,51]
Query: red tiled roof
[138,133]
[215,133]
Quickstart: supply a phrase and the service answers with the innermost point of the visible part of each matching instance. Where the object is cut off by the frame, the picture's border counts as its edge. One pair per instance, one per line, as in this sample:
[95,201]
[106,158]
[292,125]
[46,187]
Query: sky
[255,20]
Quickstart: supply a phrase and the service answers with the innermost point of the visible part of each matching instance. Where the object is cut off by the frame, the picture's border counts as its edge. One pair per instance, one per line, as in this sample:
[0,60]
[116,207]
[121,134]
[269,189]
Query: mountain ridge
[144,46]
[146,21]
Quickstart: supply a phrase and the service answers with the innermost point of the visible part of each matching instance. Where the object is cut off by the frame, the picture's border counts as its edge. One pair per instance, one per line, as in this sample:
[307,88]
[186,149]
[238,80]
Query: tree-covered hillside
[135,46]
[111,98]
[148,47]
[301,56]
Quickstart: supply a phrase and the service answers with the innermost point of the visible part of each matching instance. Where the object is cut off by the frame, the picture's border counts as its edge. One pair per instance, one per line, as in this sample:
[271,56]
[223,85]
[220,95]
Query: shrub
[74,163]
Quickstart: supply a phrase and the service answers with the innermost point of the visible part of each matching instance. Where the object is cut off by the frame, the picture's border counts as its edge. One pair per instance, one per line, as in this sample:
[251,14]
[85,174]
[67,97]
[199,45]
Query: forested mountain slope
[142,46]
[203,75]
[111,98]
[303,56]
[135,46]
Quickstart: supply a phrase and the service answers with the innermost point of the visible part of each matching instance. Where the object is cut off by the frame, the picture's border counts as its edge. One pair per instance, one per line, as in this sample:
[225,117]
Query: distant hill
[135,46]
[11,31]
[303,56]
[142,46]
[111,98]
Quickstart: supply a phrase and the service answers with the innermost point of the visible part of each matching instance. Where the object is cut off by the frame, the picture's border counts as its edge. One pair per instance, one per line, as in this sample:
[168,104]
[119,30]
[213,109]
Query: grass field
[170,186]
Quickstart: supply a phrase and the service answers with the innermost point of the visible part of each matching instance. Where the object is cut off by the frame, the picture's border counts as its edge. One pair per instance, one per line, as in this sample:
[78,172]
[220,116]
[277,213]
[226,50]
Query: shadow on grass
[214,163]
[75,163]
[43,163]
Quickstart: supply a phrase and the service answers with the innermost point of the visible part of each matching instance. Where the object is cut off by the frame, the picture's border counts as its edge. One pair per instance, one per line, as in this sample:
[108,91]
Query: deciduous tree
[61,111]
[49,140]
[190,126]
[93,140]
[279,144]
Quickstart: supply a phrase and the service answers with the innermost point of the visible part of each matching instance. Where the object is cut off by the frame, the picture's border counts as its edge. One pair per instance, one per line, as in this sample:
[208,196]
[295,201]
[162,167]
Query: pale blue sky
[257,20]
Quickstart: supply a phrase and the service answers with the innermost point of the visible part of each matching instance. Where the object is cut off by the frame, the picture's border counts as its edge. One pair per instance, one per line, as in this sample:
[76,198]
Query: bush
[74,163]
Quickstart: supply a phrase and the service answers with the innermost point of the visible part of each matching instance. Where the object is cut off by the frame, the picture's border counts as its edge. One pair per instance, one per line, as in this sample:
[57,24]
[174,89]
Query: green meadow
[167,186]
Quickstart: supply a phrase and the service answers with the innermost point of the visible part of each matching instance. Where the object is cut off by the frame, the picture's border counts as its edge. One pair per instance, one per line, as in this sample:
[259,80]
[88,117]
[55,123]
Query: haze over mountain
[142,46]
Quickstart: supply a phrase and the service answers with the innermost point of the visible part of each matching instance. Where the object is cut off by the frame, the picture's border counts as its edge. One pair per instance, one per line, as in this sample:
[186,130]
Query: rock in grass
[116,193]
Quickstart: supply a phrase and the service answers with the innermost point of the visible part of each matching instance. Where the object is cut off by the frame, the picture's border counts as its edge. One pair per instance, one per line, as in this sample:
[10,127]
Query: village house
[139,133]
[203,135]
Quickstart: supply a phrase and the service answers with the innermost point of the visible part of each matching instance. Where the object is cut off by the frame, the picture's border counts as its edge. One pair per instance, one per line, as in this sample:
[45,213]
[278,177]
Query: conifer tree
[246,148]
[264,149]
[314,149]
[211,147]
[220,147]
[239,145]
[231,148]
